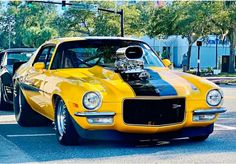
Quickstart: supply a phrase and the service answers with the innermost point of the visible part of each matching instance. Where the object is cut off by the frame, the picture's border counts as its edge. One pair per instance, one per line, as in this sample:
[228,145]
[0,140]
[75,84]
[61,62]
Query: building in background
[176,47]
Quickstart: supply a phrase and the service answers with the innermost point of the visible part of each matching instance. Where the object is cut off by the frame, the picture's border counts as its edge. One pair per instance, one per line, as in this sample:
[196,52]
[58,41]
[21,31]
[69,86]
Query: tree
[74,22]
[189,19]
[27,26]
[6,27]
[108,24]
[145,9]
[137,18]
[34,24]
[30,26]
[225,21]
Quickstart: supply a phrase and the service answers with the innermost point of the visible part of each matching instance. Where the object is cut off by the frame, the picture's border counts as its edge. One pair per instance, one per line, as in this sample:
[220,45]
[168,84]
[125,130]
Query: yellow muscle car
[112,88]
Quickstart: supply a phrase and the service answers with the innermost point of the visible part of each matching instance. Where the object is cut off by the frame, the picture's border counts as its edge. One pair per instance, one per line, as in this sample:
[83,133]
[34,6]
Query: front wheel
[65,130]
[199,138]
[25,115]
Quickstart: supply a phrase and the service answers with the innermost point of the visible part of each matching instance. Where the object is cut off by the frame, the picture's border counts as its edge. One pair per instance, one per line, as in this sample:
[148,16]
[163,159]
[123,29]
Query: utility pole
[121,13]
[216,52]
[199,44]
[122,22]
[9,34]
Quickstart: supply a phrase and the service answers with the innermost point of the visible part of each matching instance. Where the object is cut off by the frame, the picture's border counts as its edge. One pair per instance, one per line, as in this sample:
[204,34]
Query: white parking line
[224,127]
[31,135]
[7,119]
[226,118]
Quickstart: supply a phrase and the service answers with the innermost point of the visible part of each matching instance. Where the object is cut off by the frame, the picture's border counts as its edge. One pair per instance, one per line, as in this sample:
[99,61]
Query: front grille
[153,112]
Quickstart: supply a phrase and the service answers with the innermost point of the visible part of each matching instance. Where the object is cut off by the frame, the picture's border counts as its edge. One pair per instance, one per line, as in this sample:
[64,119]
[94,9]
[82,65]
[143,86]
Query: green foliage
[31,25]
[187,18]
[86,23]
[225,21]
[194,19]
[74,23]
[28,27]
[106,24]
[34,36]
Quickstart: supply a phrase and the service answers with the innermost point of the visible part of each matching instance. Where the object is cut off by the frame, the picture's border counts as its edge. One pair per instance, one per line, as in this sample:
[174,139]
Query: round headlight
[214,98]
[91,100]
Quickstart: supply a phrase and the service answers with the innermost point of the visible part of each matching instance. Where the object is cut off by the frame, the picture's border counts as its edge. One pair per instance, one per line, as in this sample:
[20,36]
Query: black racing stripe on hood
[155,86]
[143,88]
[164,88]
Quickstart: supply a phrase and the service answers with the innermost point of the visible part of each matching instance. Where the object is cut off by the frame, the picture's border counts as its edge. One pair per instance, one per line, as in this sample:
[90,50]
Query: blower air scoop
[131,52]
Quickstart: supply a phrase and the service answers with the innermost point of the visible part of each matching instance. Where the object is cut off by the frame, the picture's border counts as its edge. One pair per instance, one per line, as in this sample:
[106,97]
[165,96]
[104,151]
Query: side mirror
[39,66]
[166,62]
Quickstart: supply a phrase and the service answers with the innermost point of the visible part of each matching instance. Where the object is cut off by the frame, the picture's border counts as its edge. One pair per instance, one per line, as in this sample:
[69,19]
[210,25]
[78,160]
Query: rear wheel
[65,130]
[25,115]
[199,138]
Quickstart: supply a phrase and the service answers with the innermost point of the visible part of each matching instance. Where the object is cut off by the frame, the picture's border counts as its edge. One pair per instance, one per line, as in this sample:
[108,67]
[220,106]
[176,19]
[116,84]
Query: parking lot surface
[39,144]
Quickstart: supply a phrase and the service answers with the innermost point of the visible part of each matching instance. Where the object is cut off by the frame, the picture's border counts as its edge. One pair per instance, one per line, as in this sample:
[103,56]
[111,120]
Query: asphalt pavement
[39,144]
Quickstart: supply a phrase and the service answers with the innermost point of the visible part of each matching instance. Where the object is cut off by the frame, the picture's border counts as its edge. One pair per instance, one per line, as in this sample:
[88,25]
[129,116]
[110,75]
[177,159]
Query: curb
[222,80]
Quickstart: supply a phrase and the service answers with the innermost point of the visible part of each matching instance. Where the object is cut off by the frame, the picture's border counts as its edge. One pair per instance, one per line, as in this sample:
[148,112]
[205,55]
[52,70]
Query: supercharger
[129,63]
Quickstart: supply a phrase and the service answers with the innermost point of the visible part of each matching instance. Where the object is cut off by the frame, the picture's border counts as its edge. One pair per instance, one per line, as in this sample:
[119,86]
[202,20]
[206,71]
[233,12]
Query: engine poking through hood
[129,63]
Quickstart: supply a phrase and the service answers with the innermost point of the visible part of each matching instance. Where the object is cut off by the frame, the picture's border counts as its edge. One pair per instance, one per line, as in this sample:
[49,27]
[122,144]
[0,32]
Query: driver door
[35,80]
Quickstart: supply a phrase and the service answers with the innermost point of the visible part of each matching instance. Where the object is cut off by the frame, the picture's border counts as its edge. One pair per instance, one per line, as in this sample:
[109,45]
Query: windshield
[18,57]
[87,53]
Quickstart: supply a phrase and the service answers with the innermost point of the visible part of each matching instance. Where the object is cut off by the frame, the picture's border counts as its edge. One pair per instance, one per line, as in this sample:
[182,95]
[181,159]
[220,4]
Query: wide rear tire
[65,130]
[3,104]
[25,115]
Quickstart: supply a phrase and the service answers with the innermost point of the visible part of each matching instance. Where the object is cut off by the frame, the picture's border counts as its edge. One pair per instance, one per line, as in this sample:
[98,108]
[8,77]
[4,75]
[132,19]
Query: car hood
[163,82]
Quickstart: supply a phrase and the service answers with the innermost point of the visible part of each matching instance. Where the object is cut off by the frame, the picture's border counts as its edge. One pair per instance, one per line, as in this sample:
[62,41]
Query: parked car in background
[112,88]
[10,60]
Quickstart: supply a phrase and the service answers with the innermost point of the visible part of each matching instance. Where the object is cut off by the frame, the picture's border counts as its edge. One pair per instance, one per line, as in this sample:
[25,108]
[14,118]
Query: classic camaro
[112,88]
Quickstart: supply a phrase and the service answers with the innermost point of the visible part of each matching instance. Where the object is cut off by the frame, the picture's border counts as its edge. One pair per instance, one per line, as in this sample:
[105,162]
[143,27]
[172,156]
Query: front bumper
[114,135]
[120,126]
[104,114]
[94,114]
[210,111]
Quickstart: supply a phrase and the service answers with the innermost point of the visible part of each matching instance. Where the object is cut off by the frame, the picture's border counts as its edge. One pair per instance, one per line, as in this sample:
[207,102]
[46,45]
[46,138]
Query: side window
[42,55]
[49,57]
[4,60]
[57,60]
[1,57]
[45,55]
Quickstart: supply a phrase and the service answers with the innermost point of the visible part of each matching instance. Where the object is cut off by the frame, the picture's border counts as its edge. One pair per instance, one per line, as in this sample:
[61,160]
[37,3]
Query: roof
[19,50]
[68,39]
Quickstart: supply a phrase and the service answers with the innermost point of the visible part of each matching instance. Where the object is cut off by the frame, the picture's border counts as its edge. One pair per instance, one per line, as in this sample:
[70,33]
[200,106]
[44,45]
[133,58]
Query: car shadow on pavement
[40,147]
[6,111]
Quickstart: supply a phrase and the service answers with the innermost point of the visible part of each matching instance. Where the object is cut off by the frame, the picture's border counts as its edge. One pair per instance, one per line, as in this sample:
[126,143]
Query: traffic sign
[83,6]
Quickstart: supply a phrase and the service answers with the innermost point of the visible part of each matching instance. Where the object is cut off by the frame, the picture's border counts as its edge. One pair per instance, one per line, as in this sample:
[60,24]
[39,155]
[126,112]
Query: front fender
[203,85]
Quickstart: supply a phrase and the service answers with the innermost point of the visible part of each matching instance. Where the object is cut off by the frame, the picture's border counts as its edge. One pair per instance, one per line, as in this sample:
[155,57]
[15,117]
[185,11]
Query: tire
[199,138]
[3,104]
[65,130]
[25,115]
